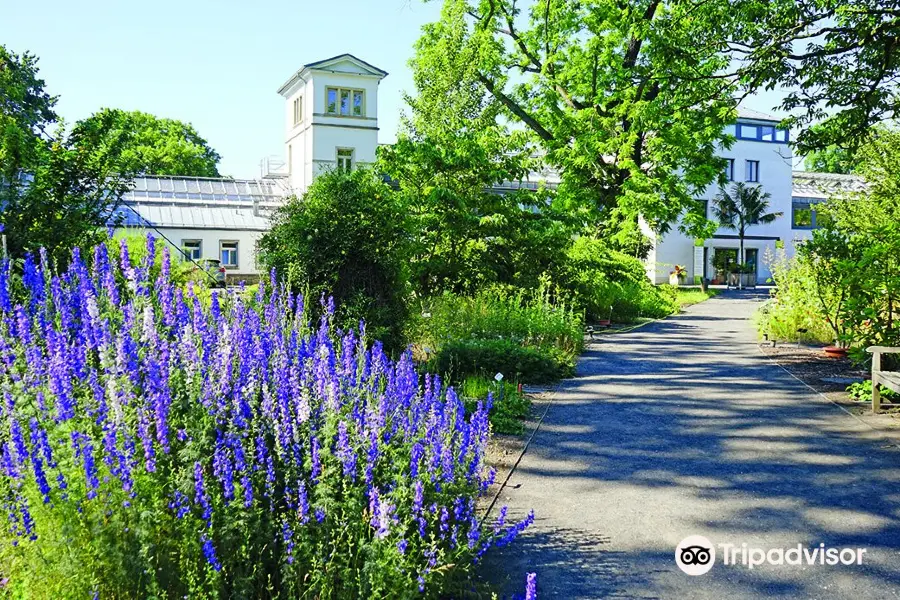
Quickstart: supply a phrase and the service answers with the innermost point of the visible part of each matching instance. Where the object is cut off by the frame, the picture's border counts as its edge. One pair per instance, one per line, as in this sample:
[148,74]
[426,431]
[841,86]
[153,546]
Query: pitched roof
[809,184]
[323,64]
[199,203]
[345,56]
[755,115]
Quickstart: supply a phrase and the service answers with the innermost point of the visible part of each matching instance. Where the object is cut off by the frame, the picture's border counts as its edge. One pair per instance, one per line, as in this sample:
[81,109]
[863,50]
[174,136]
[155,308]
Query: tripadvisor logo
[696,555]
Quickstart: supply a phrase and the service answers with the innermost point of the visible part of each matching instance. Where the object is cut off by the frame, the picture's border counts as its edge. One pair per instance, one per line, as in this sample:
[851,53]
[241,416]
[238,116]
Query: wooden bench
[889,379]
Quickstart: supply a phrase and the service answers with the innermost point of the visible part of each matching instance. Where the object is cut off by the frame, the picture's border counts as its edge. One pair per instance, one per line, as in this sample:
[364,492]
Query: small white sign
[498,377]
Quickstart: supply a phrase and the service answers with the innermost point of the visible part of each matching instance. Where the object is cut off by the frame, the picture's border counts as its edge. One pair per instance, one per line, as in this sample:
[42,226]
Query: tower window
[345,102]
[345,159]
[298,110]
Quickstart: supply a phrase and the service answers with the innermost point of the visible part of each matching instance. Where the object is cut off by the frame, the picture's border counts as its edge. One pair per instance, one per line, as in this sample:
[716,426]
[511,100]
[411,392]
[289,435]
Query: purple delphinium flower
[531,586]
[200,497]
[85,450]
[288,536]
[345,453]
[209,551]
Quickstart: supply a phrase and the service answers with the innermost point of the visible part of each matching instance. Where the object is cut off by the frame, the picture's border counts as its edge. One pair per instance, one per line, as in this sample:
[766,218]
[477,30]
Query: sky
[217,64]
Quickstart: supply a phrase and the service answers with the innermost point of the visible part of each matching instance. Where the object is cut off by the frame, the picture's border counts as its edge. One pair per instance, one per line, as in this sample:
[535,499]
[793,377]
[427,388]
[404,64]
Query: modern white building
[331,122]
[760,156]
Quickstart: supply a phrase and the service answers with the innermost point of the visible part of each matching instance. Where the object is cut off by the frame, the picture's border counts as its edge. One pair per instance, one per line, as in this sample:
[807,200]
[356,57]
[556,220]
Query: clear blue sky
[215,63]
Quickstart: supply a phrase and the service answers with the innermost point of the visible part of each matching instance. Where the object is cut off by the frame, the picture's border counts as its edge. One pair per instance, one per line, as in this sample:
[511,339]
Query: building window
[192,249]
[760,133]
[752,171]
[729,169]
[290,159]
[229,253]
[298,110]
[345,102]
[805,216]
[802,216]
[345,159]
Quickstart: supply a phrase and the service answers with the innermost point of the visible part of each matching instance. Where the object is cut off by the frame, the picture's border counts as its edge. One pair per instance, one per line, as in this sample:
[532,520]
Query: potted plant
[720,264]
[677,275]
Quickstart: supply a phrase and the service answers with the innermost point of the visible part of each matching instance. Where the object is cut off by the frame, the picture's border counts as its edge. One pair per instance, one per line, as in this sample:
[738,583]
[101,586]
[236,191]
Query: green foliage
[608,284]
[53,195]
[143,144]
[831,159]
[796,312]
[861,391]
[592,85]
[509,408]
[451,151]
[838,58]
[524,336]
[346,238]
[529,364]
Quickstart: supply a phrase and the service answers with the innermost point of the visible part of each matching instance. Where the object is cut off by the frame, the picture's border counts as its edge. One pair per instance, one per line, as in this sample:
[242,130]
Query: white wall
[210,239]
[314,142]
[775,177]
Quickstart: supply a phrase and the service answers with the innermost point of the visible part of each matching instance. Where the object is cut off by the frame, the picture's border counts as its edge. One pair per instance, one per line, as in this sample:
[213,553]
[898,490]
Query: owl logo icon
[695,555]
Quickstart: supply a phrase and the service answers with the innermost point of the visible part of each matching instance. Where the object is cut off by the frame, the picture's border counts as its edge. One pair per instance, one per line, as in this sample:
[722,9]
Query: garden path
[683,427]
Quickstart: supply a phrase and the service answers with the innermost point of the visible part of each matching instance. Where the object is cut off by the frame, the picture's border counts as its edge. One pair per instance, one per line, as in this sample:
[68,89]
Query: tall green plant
[742,207]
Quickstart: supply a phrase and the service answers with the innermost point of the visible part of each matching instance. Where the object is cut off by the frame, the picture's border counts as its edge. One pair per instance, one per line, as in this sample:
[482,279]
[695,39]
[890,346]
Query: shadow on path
[682,427]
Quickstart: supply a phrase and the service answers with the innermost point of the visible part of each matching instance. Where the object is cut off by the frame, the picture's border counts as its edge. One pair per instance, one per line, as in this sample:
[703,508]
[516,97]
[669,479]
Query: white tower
[331,117]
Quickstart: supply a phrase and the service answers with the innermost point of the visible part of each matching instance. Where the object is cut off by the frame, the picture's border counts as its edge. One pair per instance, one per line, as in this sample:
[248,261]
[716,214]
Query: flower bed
[165,442]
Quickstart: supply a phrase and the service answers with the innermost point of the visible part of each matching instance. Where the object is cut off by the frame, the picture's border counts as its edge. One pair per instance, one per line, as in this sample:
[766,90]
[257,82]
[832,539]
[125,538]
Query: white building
[331,121]
[760,156]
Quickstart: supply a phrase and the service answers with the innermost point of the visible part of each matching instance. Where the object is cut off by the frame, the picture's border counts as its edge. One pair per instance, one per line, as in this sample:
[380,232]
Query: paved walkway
[680,428]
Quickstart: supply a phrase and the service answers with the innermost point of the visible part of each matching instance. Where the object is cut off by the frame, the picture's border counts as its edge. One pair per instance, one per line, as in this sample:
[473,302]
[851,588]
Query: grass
[688,296]
[510,406]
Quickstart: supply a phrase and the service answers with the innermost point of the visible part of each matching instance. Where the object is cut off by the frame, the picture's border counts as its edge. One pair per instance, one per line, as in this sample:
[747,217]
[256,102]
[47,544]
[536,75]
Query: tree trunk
[741,260]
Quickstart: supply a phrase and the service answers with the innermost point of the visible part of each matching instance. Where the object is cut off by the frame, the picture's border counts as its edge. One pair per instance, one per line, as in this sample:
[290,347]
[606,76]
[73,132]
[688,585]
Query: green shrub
[528,364]
[518,334]
[608,284]
[862,391]
[509,407]
[346,238]
[794,313]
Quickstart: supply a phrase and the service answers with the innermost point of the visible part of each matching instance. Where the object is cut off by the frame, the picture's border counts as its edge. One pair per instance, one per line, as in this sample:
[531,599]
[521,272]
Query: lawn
[688,296]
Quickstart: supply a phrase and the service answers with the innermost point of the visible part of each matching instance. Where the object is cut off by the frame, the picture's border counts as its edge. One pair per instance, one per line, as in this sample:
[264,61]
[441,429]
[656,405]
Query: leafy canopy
[144,144]
[452,149]
[53,194]
[621,98]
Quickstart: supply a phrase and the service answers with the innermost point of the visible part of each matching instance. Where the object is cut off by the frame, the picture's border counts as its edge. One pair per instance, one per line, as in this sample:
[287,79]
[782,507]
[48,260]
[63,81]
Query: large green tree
[452,150]
[838,59]
[623,98]
[629,99]
[52,194]
[831,159]
[144,144]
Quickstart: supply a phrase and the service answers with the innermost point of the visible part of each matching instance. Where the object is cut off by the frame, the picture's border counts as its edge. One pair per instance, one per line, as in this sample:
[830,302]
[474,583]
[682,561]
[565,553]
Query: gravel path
[683,427]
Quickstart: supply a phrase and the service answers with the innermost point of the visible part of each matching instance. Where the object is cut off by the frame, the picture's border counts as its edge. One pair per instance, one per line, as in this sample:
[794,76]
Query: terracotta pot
[835,352]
